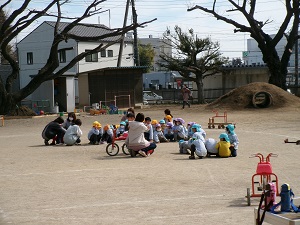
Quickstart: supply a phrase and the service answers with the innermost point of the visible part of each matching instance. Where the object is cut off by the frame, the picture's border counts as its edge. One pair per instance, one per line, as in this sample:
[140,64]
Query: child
[73,134]
[162,124]
[197,143]
[149,133]
[95,133]
[203,133]
[130,110]
[158,135]
[211,146]
[69,121]
[234,141]
[153,124]
[189,129]
[168,131]
[121,129]
[130,117]
[168,116]
[52,130]
[184,146]
[180,132]
[223,146]
[107,134]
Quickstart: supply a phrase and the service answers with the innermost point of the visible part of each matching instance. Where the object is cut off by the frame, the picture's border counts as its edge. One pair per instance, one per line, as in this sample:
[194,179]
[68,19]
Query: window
[91,57]
[103,53]
[62,56]
[110,53]
[29,58]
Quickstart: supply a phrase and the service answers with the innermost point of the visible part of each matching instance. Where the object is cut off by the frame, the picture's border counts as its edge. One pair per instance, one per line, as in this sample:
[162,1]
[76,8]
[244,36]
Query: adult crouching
[136,141]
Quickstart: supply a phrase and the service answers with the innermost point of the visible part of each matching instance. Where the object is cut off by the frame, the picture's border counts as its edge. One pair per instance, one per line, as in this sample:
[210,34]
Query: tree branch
[242,28]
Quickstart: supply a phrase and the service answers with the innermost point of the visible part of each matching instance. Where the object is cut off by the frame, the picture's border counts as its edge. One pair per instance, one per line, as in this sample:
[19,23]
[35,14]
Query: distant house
[33,51]
[160,46]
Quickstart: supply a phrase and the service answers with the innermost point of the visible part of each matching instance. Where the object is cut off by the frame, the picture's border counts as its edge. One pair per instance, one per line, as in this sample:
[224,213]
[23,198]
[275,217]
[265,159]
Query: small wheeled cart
[264,175]
[212,123]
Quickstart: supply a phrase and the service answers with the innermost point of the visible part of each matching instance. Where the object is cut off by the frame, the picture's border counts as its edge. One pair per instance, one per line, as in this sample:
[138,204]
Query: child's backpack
[270,195]
[286,203]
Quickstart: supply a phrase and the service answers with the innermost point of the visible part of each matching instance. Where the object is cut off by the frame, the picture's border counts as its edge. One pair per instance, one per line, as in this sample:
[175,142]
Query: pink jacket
[136,139]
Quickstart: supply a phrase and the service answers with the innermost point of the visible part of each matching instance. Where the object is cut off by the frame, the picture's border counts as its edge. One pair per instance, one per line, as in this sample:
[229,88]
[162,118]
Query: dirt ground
[83,185]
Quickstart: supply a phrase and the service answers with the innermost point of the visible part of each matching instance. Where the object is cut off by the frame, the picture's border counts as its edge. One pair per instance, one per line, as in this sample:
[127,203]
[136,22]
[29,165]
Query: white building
[253,55]
[34,49]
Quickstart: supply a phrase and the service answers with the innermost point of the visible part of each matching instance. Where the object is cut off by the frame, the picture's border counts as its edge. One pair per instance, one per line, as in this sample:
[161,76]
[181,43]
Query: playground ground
[83,185]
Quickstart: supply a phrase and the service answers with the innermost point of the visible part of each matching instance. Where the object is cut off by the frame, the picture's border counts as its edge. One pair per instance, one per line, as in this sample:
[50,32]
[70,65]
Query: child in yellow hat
[95,133]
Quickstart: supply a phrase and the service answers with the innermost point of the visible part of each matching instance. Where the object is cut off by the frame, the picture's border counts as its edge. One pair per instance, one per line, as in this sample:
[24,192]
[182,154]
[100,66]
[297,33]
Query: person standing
[186,92]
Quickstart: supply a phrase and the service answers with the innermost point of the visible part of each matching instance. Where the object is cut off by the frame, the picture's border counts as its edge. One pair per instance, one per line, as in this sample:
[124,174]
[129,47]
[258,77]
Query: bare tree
[21,19]
[277,64]
[193,55]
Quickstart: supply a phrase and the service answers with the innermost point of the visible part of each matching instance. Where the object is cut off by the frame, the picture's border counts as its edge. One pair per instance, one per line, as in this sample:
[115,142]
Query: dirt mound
[22,111]
[248,96]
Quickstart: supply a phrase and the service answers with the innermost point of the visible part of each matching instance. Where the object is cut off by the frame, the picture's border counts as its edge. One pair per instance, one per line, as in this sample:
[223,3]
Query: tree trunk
[201,99]
[7,103]
[278,75]
[277,69]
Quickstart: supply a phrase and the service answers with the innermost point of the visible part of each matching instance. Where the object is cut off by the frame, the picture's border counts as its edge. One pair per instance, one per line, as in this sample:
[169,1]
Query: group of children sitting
[197,143]
[191,138]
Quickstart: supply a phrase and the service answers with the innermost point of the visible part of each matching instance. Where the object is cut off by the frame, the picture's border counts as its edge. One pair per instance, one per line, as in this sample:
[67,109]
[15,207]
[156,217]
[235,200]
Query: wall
[39,42]
[219,84]
[105,84]
[127,59]
[83,87]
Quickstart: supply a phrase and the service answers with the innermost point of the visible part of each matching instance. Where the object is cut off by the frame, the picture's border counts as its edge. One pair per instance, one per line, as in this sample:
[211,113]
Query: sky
[170,13]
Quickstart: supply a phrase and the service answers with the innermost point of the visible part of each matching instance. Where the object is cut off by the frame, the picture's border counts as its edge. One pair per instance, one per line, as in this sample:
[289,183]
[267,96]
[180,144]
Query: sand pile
[242,97]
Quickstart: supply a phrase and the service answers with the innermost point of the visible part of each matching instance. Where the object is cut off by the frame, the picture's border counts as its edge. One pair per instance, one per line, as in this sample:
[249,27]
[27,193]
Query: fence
[175,96]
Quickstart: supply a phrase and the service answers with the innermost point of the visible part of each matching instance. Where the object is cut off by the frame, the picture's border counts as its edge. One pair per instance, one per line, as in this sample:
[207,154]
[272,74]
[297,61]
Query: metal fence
[175,96]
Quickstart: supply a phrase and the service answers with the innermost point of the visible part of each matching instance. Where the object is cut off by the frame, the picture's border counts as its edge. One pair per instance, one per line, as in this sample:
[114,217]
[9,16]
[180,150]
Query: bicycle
[112,149]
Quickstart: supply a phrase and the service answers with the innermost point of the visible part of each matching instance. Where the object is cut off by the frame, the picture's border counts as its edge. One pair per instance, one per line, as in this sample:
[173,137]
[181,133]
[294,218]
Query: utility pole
[123,35]
[135,41]
[297,49]
[296,62]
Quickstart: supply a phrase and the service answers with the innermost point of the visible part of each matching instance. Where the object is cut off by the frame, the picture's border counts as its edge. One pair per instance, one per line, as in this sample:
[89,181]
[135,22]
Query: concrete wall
[219,84]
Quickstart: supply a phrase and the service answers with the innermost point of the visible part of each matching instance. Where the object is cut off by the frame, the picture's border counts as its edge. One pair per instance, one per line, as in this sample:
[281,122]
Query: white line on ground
[63,171]
[122,203]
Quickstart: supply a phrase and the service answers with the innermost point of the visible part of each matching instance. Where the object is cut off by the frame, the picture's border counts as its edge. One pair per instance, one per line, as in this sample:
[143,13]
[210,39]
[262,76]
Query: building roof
[115,68]
[244,66]
[89,30]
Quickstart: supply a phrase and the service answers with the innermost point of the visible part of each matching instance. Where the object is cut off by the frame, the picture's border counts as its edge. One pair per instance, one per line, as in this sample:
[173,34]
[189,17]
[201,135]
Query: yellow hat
[96,124]
[169,118]
[154,122]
